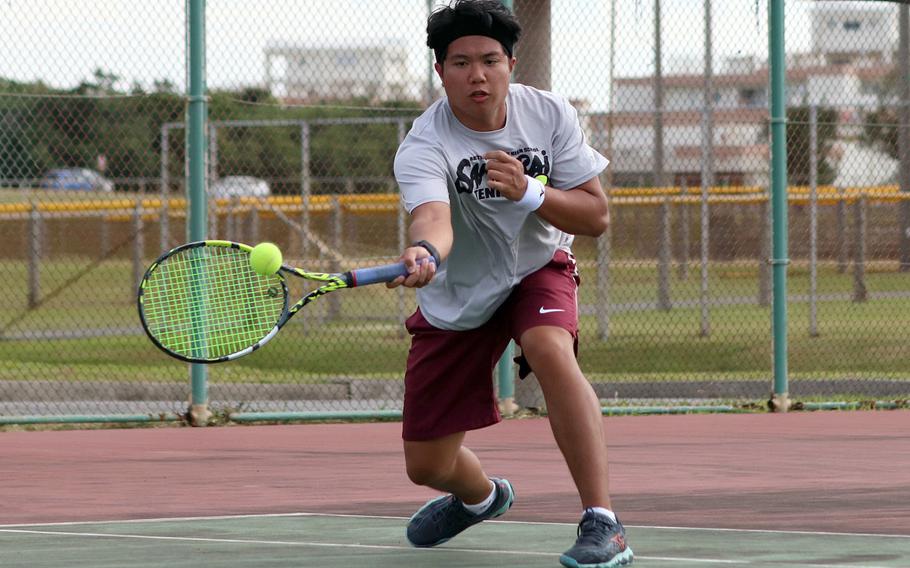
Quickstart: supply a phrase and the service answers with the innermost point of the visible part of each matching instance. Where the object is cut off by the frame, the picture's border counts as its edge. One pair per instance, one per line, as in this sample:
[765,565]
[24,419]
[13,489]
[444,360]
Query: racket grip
[377,274]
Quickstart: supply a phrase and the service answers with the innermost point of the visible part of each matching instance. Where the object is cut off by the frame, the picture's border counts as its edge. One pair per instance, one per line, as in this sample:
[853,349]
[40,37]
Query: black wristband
[430,249]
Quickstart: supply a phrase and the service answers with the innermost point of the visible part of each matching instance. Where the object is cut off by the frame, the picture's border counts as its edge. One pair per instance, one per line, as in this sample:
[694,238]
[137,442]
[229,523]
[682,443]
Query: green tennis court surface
[347,540]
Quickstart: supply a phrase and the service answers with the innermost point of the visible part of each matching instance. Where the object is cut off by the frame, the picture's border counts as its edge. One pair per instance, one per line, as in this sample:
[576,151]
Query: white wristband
[534,195]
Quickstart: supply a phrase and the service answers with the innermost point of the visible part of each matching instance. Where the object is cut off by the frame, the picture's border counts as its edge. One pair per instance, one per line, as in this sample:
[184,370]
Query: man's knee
[422,472]
[547,344]
[428,463]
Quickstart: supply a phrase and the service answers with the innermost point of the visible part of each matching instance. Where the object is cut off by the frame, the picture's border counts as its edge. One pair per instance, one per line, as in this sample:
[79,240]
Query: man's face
[475,75]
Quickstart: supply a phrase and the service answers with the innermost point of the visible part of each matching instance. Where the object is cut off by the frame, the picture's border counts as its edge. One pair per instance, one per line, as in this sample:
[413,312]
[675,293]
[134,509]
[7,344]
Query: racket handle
[377,274]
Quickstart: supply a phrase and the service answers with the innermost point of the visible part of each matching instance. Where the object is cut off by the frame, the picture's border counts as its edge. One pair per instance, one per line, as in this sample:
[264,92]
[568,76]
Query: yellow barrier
[389,202]
[678,190]
[828,196]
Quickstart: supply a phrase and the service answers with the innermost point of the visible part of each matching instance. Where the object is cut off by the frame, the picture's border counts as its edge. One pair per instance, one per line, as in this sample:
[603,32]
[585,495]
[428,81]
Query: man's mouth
[479,96]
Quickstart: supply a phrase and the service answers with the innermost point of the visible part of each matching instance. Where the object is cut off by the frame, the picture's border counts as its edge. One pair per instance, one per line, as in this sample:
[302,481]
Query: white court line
[352,516]
[700,561]
[769,531]
[23,529]
[355,546]
[200,518]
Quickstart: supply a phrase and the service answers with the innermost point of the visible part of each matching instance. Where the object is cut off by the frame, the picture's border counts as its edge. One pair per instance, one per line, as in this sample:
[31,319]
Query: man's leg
[577,425]
[449,390]
[545,320]
[447,466]
[573,410]
[471,497]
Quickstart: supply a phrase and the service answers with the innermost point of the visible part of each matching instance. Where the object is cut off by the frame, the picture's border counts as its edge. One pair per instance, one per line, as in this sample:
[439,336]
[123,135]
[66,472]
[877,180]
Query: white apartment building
[377,72]
[853,49]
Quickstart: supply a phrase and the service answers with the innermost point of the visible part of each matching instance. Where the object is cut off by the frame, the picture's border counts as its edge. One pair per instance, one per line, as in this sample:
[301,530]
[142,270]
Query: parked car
[79,179]
[239,186]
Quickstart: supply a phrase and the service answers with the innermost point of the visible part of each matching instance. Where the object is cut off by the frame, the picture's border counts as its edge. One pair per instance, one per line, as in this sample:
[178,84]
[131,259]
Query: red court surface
[824,471]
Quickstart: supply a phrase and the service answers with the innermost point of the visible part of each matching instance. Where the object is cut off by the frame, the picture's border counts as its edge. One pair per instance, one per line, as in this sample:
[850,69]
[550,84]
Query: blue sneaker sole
[420,510]
[624,558]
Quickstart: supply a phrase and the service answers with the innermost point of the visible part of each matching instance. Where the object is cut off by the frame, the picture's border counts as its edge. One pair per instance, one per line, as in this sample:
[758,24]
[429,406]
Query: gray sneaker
[601,543]
[444,517]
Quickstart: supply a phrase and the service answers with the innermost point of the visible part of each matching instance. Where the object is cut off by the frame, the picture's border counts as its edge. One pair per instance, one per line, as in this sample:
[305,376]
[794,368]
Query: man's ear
[438,67]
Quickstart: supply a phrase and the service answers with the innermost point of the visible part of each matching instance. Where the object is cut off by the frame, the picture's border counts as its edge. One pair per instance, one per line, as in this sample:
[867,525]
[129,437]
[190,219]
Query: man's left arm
[581,210]
[578,211]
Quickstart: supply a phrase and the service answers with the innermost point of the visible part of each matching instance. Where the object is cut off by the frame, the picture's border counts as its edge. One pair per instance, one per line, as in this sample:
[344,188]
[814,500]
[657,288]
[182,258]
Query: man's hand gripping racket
[202,302]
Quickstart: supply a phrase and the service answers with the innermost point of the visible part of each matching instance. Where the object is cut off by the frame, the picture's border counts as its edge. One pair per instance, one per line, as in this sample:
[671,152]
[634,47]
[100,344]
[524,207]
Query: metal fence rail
[676,300]
[650,281]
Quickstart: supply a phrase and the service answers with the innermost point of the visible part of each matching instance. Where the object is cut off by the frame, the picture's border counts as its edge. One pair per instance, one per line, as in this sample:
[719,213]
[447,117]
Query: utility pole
[430,91]
[533,51]
[708,141]
[903,135]
[659,174]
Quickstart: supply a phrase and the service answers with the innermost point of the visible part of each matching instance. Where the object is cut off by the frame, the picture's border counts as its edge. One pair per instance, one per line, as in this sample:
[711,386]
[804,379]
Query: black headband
[483,26]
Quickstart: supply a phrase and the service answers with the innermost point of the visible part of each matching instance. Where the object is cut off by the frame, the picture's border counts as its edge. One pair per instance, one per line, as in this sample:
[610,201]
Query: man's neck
[490,123]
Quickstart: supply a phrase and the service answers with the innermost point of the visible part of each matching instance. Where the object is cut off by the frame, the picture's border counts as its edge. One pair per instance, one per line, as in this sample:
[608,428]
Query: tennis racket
[202,302]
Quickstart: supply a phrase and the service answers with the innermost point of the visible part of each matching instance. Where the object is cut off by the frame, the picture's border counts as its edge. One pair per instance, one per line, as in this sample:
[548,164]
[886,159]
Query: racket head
[202,302]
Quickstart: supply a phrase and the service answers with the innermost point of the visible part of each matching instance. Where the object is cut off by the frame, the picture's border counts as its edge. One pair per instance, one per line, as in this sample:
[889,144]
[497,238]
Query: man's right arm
[431,223]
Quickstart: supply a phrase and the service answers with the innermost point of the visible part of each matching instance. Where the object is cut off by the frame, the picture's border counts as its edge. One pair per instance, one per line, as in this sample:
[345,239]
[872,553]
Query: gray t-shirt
[496,243]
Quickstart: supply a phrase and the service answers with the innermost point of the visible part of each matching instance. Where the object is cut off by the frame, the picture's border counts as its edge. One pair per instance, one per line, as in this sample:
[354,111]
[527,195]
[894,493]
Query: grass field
[356,333]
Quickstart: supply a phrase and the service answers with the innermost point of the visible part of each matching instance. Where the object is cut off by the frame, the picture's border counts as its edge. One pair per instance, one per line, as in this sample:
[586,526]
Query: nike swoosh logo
[544,310]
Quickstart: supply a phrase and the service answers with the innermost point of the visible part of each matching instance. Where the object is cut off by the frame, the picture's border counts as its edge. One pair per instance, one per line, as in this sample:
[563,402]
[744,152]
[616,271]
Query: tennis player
[497,178]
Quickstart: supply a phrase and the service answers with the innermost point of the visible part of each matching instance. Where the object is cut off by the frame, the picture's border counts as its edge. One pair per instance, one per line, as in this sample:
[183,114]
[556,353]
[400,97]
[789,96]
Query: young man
[497,178]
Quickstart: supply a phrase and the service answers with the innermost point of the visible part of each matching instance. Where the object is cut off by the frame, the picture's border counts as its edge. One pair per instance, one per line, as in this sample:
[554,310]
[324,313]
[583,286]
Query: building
[302,74]
[843,34]
[853,50]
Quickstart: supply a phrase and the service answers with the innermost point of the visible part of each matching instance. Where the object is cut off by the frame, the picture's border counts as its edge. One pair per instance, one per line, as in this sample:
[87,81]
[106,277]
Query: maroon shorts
[449,377]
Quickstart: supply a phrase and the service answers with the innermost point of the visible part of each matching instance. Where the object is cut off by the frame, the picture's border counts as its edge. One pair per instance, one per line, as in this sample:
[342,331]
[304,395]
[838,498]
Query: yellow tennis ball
[265,258]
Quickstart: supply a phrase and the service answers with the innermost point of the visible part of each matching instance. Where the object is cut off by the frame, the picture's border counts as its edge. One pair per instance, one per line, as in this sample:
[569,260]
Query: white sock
[483,505]
[601,511]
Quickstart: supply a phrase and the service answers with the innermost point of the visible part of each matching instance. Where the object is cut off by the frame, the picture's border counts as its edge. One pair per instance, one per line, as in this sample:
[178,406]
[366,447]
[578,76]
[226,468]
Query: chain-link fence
[307,103]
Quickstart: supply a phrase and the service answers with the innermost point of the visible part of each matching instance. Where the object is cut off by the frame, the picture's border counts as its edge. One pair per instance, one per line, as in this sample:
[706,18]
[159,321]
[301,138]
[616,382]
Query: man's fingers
[497,156]
[420,272]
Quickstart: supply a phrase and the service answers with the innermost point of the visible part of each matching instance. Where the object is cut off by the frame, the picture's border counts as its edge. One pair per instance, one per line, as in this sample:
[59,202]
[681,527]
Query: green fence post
[196,151]
[780,398]
[505,373]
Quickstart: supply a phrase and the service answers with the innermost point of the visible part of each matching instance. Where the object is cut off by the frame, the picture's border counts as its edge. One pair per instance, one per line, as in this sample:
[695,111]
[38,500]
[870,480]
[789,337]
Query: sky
[61,42]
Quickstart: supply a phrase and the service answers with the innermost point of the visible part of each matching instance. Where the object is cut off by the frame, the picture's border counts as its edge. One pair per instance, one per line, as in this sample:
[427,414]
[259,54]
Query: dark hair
[471,17]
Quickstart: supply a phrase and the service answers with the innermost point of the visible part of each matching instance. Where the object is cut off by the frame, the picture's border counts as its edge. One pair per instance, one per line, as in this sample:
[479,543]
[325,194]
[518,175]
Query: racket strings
[207,302]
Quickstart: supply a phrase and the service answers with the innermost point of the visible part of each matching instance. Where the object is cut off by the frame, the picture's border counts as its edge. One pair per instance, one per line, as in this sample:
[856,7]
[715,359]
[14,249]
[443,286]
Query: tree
[880,130]
[798,144]
[38,133]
